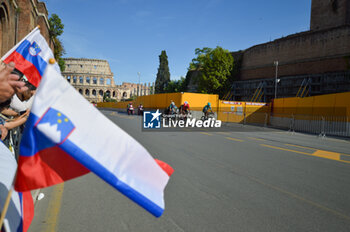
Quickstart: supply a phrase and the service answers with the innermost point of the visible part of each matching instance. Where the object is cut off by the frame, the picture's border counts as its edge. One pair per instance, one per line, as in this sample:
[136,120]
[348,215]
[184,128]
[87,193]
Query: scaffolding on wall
[263,90]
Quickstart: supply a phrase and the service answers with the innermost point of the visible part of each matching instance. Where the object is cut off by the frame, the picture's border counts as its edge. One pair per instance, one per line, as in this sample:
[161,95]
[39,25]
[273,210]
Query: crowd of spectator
[16,98]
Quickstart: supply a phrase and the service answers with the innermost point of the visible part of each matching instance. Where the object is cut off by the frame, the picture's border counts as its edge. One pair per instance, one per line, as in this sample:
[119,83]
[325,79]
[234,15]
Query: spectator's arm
[9,112]
[4,132]
[10,125]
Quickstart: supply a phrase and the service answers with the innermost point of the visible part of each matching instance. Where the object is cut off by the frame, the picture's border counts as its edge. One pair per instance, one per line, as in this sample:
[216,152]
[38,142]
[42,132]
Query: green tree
[163,75]
[56,26]
[198,62]
[215,67]
[56,29]
[176,86]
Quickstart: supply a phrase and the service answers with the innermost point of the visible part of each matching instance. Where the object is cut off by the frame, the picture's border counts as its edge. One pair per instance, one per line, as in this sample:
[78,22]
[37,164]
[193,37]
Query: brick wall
[293,69]
[329,13]
[302,53]
[28,17]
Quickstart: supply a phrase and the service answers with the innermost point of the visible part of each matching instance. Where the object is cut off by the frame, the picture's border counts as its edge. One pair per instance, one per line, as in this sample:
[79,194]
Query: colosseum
[93,79]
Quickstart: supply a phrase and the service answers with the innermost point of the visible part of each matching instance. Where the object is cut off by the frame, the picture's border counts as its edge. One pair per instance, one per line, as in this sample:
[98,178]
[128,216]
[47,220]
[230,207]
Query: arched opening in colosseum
[81,91]
[102,81]
[125,95]
[108,81]
[94,80]
[81,80]
[87,92]
[113,94]
[68,79]
[88,80]
[74,79]
[100,93]
[3,27]
[94,92]
[108,93]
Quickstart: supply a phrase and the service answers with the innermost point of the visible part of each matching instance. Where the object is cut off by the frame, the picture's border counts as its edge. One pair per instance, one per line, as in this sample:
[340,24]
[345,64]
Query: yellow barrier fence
[335,105]
[231,111]
[161,101]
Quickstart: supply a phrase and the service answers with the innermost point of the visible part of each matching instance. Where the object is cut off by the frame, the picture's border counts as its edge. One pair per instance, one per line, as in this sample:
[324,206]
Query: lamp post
[276,80]
[138,86]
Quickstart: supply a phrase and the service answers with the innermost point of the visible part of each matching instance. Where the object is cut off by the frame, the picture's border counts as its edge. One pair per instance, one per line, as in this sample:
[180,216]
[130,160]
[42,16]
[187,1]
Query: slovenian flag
[20,211]
[66,137]
[31,56]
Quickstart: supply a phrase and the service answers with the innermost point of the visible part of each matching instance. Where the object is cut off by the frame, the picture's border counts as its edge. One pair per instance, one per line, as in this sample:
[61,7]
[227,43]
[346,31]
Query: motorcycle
[130,110]
[140,110]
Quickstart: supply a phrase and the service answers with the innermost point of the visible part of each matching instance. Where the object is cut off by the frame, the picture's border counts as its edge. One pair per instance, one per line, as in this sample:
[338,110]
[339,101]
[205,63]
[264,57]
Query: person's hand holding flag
[9,83]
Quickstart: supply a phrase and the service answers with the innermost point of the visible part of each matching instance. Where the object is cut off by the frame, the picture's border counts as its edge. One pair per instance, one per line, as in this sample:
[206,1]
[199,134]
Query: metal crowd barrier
[320,125]
[13,139]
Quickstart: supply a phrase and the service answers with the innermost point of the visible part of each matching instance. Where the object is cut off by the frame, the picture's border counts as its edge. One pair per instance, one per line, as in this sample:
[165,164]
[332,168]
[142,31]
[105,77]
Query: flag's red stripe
[27,210]
[26,67]
[47,167]
[166,167]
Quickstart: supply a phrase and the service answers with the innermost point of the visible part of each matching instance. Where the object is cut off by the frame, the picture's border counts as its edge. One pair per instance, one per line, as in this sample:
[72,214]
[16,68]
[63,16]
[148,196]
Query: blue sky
[131,34]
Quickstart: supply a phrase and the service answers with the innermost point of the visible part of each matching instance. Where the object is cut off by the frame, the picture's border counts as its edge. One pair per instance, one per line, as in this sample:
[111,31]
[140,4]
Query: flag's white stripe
[8,167]
[101,139]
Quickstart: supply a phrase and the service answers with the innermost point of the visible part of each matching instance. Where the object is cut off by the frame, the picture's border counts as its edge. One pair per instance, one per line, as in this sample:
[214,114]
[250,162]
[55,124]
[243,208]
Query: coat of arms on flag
[55,125]
[34,49]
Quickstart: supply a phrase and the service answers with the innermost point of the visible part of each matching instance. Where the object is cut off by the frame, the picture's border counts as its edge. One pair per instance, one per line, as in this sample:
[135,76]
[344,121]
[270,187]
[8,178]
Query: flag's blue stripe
[29,143]
[37,61]
[110,178]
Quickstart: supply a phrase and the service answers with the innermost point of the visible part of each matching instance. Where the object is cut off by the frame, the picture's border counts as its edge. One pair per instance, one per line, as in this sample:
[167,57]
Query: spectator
[9,84]
[22,101]
[8,124]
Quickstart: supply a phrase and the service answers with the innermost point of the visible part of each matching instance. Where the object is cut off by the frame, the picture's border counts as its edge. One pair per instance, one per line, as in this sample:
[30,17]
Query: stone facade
[18,18]
[93,78]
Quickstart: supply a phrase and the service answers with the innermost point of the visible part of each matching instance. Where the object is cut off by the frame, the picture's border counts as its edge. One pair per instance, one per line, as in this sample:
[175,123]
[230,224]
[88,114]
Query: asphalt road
[261,180]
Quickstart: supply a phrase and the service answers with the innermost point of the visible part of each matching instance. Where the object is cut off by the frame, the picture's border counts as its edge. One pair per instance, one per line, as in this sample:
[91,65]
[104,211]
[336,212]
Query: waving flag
[20,211]
[66,137]
[31,56]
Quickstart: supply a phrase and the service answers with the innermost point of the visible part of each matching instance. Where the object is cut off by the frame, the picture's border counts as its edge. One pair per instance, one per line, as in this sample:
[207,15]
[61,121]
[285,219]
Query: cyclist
[185,108]
[172,108]
[206,109]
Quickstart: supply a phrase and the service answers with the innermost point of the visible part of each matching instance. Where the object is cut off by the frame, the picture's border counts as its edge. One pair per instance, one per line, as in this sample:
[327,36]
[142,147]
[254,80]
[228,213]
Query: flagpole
[5,208]
[7,202]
